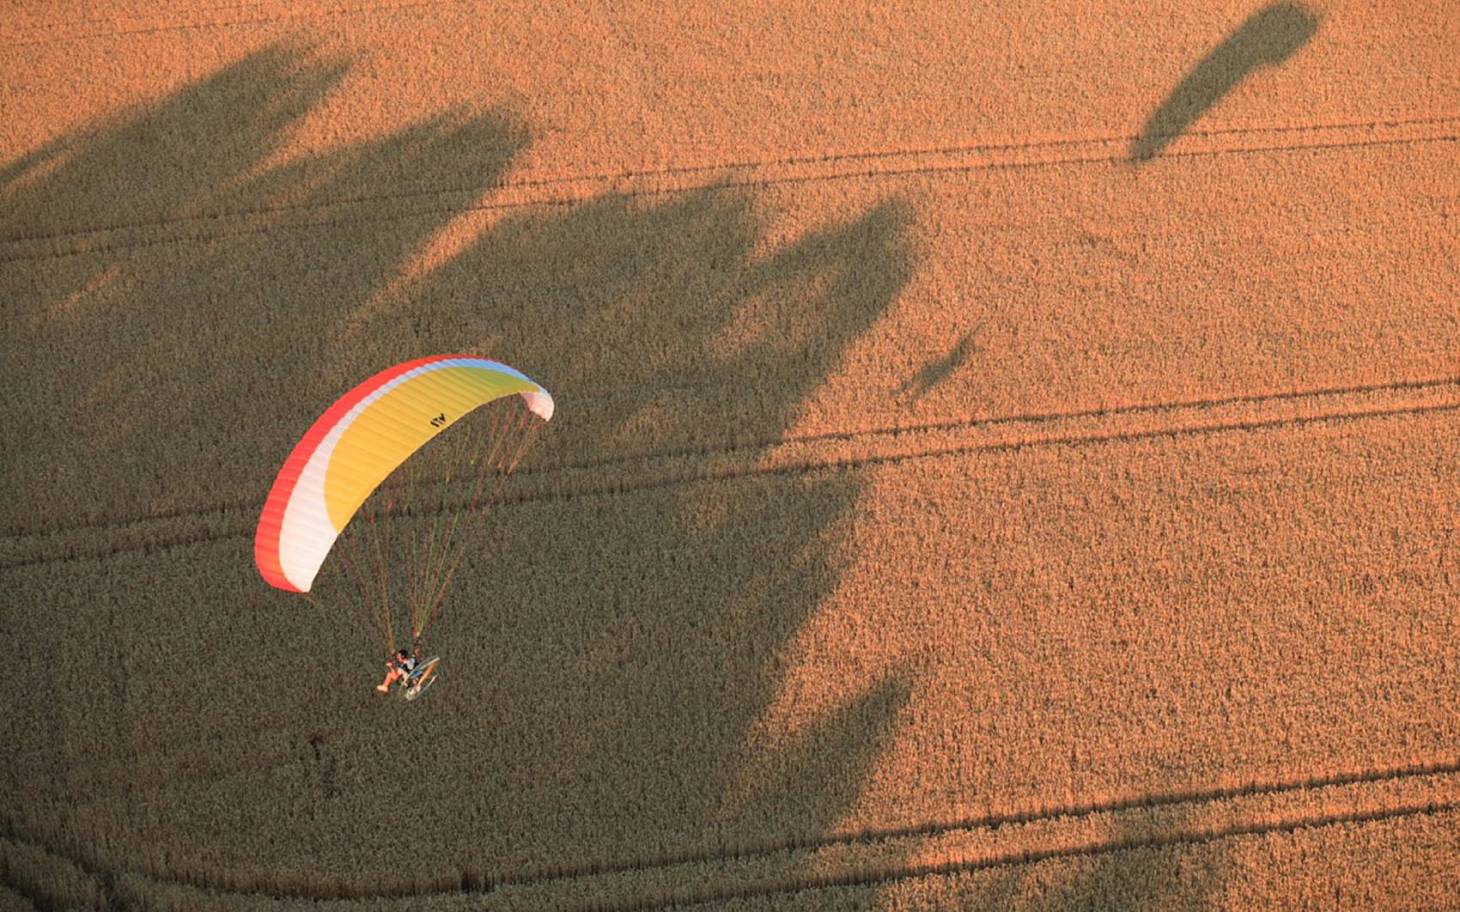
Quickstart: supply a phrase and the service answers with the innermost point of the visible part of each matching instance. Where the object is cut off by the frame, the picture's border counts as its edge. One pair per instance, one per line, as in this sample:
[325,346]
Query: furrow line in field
[795,852]
[747,165]
[839,451]
[883,857]
[52,33]
[520,194]
[1161,801]
[575,189]
[787,464]
[887,876]
[1105,413]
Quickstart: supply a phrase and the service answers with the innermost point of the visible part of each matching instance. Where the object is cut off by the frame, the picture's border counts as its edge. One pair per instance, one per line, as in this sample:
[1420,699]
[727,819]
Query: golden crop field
[1007,456]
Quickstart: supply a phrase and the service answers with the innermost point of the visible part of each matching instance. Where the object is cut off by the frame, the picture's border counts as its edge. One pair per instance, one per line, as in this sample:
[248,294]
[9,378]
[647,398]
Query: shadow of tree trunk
[1267,38]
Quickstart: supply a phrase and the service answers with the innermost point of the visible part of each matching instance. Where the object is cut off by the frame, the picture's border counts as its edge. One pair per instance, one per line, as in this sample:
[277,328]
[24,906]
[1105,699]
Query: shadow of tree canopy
[187,304]
[647,626]
[174,286]
[1267,38]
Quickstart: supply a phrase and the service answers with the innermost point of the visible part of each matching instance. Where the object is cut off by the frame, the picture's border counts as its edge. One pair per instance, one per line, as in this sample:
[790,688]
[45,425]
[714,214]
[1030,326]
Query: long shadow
[186,303]
[161,263]
[647,627]
[935,372]
[1267,38]
[171,289]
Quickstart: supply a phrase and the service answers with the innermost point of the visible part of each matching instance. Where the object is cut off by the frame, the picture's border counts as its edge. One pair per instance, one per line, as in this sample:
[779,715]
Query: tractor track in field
[1031,418]
[800,455]
[625,890]
[890,876]
[54,32]
[558,191]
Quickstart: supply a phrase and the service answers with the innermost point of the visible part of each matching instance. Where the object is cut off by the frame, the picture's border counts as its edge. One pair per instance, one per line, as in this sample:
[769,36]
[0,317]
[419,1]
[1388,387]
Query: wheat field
[1006,457]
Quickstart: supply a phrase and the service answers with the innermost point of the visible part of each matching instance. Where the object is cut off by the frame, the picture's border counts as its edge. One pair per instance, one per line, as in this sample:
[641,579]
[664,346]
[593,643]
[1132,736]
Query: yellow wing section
[400,421]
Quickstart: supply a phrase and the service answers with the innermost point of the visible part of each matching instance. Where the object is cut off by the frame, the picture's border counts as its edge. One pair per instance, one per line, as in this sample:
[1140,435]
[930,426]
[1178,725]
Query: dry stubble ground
[966,490]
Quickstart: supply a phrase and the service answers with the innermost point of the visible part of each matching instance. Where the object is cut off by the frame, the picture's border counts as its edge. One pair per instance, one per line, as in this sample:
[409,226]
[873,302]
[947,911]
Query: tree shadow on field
[188,301]
[616,648]
[1267,38]
[174,285]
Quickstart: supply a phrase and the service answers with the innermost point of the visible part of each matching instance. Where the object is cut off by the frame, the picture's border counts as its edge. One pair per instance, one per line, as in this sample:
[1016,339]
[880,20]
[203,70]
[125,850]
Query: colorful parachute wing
[358,442]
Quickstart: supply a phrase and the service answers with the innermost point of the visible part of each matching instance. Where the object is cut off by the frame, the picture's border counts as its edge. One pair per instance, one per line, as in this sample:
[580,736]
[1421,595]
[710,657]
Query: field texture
[1007,455]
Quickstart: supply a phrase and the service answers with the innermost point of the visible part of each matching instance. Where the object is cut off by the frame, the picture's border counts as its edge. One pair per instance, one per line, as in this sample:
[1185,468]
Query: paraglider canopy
[359,441]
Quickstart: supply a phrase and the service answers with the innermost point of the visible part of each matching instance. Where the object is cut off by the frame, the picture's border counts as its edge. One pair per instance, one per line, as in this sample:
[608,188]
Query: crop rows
[945,506]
